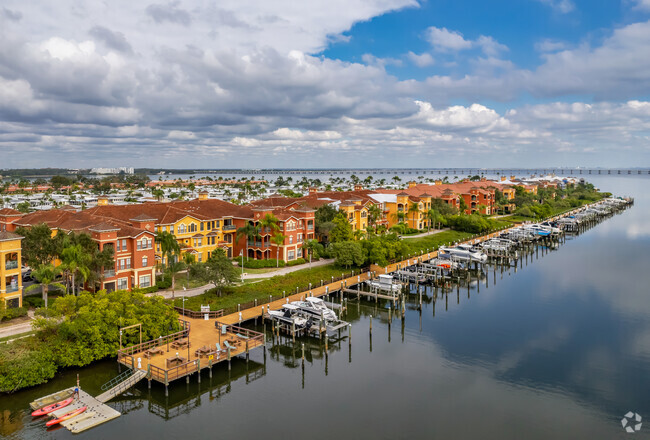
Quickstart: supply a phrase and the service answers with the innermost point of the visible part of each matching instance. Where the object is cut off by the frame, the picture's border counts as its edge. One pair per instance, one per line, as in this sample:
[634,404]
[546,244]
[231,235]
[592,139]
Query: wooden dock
[190,350]
[96,412]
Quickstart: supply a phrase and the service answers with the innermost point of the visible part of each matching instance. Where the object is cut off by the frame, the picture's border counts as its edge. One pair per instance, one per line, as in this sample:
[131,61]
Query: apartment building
[11,283]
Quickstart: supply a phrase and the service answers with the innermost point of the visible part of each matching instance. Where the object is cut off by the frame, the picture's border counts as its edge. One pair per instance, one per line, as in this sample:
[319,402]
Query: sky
[317,84]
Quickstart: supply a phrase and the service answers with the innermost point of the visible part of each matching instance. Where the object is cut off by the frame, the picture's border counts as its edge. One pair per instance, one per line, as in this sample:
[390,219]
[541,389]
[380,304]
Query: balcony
[310,227]
[254,244]
[12,288]
[11,265]
[229,227]
[109,273]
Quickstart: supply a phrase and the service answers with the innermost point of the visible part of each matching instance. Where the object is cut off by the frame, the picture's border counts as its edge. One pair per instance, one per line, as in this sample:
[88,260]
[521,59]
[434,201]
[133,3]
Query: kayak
[67,416]
[53,407]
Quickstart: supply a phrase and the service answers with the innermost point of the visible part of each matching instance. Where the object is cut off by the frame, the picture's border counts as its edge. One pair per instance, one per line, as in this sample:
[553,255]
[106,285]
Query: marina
[426,279]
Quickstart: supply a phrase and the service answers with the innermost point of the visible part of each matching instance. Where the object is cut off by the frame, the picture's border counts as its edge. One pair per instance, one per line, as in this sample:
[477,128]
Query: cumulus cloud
[252,80]
[114,40]
[444,40]
[422,60]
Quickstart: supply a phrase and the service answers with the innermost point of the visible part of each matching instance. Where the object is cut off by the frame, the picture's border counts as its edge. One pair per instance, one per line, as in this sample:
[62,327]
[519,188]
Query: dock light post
[184,299]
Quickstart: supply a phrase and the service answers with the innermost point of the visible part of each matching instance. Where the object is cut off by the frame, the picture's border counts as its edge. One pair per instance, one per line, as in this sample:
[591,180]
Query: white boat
[464,253]
[386,283]
[290,314]
[316,307]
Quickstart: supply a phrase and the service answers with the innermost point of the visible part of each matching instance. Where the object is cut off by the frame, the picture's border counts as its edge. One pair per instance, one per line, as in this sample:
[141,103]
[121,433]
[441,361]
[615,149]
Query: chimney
[358,187]
[412,183]
[483,179]
[503,178]
[314,190]
[438,182]
[203,195]
[103,201]
[512,178]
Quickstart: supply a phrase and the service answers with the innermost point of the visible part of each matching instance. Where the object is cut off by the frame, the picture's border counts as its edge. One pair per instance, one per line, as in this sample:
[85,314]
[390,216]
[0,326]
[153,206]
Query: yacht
[316,308]
[385,282]
[291,314]
[464,253]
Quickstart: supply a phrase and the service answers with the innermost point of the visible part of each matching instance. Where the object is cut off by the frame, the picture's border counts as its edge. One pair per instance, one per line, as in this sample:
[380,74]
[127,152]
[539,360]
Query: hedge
[12,313]
[260,264]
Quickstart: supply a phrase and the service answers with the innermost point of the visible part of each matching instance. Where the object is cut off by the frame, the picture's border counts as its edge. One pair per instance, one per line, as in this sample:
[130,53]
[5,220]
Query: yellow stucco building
[11,283]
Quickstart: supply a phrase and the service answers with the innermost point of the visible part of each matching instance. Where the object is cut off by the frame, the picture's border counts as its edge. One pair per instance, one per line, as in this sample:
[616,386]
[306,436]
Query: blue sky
[258,83]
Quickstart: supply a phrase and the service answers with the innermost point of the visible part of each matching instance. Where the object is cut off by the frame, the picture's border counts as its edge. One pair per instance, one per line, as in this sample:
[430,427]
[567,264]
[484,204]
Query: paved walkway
[17,329]
[167,294]
[424,234]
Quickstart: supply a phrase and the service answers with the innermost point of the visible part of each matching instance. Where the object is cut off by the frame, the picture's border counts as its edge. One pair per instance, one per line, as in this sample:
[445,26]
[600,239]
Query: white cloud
[444,40]
[422,60]
[561,6]
[641,4]
[548,45]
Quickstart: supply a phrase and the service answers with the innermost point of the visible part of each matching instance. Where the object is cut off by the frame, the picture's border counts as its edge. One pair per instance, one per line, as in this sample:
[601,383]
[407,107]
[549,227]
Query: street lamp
[241,254]
[184,304]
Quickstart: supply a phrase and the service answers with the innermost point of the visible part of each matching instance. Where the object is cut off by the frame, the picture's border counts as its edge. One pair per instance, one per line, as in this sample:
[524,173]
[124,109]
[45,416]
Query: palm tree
[189,260]
[434,217]
[168,245]
[45,274]
[248,231]
[269,222]
[278,240]
[374,213]
[414,208]
[158,194]
[75,260]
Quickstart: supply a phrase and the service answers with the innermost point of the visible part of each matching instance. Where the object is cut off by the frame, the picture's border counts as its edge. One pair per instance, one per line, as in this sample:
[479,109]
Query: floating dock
[96,412]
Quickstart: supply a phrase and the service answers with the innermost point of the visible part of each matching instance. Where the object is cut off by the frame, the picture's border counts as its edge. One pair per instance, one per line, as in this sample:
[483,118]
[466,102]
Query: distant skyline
[325,84]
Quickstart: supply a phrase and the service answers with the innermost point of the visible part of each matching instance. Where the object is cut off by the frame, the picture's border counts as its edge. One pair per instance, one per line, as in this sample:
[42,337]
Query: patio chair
[228,346]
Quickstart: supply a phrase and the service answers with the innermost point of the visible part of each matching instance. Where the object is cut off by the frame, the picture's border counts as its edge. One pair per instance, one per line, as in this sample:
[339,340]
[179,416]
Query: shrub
[296,262]
[260,264]
[145,290]
[163,281]
[15,312]
[34,301]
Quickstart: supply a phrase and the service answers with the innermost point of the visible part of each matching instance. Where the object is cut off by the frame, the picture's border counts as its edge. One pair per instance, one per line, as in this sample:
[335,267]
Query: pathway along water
[560,349]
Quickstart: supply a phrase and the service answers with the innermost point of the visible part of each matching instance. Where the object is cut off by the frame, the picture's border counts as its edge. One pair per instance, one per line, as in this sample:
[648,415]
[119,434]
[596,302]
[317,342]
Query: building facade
[11,283]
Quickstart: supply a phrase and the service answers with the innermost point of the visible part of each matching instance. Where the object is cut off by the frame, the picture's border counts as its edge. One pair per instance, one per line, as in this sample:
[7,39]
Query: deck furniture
[181,343]
[175,361]
[153,351]
[203,351]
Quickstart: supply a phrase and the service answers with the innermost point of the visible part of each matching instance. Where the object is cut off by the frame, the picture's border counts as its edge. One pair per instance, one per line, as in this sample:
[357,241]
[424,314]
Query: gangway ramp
[122,386]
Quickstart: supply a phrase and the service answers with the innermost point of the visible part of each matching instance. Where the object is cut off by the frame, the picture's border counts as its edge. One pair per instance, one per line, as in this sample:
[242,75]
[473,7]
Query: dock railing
[212,314]
[125,355]
[254,338]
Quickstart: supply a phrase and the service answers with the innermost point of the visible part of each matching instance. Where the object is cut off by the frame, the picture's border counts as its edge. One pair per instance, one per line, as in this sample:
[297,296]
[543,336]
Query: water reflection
[556,345]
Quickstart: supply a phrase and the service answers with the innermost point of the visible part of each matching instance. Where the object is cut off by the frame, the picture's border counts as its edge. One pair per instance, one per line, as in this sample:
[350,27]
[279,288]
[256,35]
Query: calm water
[559,349]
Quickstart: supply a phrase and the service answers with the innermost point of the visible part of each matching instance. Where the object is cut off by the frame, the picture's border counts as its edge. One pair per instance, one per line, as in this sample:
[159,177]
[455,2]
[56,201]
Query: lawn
[8,338]
[261,290]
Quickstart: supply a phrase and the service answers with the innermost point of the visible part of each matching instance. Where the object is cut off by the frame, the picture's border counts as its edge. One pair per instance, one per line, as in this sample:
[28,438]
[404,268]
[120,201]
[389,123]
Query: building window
[145,281]
[291,239]
[171,229]
[118,245]
[291,255]
[299,238]
[145,260]
[139,245]
[181,229]
[200,257]
[123,284]
[200,242]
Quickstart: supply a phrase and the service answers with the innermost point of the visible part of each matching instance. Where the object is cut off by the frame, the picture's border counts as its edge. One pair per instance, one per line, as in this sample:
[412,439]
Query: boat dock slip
[96,412]
[201,344]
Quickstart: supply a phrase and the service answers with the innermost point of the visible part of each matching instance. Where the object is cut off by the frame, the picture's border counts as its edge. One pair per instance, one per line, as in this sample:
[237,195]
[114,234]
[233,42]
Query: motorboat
[385,282]
[290,314]
[316,307]
[464,253]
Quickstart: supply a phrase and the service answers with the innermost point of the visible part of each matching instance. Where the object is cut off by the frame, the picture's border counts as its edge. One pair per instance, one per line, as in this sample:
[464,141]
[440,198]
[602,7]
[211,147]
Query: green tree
[38,246]
[169,246]
[218,271]
[414,210]
[75,260]
[374,214]
[348,253]
[314,248]
[278,240]
[188,260]
[24,207]
[45,274]
[249,232]
[342,230]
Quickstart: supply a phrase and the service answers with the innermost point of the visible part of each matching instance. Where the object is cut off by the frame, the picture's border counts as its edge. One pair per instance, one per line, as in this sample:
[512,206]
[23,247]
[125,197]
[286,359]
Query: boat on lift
[316,308]
[291,314]
[464,252]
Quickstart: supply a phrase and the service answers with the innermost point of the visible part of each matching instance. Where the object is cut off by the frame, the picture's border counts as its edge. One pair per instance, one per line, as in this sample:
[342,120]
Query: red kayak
[48,409]
[67,416]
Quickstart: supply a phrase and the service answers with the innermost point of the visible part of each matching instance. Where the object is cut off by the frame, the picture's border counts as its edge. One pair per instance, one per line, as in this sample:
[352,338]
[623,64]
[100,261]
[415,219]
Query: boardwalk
[257,312]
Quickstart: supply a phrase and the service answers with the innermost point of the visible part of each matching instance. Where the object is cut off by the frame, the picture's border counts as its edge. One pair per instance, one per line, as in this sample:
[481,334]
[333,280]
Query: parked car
[27,275]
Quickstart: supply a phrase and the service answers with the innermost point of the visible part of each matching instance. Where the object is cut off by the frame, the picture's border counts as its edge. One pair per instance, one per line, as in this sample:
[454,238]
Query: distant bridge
[422,171]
